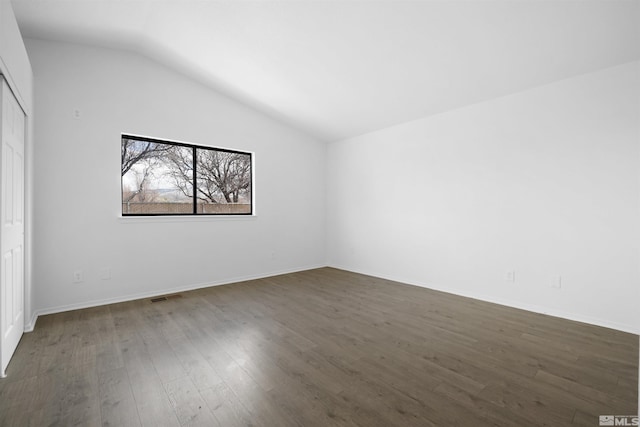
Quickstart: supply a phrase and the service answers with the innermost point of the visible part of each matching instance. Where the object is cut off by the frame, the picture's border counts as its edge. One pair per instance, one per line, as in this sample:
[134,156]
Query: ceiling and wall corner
[14,62]
[341,69]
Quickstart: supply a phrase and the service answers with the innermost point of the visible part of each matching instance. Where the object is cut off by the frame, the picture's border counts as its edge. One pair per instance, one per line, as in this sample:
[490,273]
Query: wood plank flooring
[318,348]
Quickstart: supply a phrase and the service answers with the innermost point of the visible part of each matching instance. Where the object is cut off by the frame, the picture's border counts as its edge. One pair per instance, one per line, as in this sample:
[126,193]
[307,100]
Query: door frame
[12,234]
[26,104]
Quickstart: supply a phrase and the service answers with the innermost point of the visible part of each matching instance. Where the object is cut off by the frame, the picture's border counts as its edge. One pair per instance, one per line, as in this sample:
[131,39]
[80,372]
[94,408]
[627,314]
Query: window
[159,178]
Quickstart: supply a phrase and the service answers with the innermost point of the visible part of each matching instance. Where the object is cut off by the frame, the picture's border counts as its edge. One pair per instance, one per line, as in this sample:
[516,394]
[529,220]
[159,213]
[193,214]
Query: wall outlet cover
[77,276]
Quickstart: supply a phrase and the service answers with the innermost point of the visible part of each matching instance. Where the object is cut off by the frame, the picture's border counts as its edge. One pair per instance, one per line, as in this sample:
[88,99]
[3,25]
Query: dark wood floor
[317,348]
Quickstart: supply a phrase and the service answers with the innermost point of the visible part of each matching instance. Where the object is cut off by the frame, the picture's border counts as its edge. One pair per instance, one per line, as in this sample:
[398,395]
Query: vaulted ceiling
[341,68]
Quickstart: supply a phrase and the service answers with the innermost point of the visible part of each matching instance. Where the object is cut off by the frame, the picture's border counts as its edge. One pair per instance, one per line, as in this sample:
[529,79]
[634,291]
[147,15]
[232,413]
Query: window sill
[183,218]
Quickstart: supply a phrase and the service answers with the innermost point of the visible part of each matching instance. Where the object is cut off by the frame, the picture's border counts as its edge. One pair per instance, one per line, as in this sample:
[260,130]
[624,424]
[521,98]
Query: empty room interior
[328,213]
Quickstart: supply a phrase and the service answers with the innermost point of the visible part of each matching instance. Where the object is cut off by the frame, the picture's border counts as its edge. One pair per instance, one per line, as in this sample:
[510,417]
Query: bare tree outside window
[134,151]
[222,176]
[159,177]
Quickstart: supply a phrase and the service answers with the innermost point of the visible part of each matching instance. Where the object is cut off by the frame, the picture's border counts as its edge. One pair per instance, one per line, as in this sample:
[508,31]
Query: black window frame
[193,147]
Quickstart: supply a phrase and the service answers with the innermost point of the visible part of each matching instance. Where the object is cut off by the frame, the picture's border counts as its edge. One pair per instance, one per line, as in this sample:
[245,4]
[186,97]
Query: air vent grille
[165,298]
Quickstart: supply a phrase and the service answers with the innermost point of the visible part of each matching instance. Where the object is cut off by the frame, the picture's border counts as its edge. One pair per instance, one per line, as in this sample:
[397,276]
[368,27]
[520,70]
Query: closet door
[11,226]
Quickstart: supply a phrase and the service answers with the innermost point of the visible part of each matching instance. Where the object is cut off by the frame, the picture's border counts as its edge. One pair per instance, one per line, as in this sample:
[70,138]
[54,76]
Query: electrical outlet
[105,274]
[556,282]
[77,276]
[510,276]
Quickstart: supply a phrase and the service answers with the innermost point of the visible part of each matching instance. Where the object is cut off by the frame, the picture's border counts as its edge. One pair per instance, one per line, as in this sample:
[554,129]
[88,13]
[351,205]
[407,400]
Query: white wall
[543,182]
[77,183]
[16,68]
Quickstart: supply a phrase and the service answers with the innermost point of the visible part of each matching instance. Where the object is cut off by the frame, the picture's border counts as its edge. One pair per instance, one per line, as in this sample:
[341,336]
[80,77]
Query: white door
[11,226]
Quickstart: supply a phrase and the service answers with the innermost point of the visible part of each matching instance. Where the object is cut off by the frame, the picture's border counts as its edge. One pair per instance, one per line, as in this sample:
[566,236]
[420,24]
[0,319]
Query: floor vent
[166,298]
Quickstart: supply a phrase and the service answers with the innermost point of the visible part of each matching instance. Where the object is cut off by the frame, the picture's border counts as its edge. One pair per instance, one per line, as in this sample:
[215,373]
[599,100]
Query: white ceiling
[341,68]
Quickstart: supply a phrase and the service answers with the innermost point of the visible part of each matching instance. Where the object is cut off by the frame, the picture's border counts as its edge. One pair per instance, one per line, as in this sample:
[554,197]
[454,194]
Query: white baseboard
[28,327]
[634,329]
[513,304]
[131,297]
